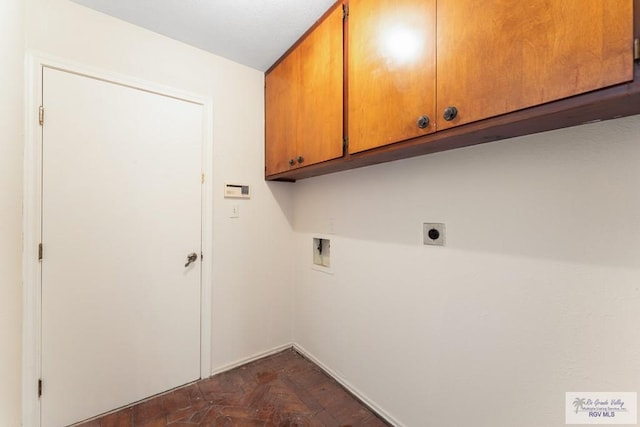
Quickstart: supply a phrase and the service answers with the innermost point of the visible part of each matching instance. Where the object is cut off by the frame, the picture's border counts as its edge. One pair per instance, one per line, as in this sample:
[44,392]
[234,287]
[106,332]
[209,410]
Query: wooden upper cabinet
[304,100]
[499,56]
[417,69]
[320,130]
[281,118]
[391,71]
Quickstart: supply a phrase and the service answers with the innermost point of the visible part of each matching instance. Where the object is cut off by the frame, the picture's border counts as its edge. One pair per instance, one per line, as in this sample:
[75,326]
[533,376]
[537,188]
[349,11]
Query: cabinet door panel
[498,56]
[320,113]
[391,68]
[281,118]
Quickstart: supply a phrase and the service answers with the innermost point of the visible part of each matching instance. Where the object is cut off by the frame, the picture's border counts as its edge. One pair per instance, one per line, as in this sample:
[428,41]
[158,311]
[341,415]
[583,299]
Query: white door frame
[32,230]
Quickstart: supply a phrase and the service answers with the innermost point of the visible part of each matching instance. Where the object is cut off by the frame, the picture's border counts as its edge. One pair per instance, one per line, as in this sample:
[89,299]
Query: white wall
[252,285]
[536,293]
[11,109]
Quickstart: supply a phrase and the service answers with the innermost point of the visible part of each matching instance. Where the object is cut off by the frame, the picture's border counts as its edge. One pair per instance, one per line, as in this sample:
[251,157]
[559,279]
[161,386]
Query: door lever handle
[192,257]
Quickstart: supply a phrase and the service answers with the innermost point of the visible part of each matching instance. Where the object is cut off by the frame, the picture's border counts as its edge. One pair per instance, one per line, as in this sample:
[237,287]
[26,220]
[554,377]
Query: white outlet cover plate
[234,210]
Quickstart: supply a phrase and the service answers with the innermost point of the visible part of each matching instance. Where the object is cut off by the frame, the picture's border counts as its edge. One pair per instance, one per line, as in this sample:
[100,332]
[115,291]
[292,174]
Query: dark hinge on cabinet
[41,115]
[40,388]
[40,252]
[345,11]
[345,146]
[636,49]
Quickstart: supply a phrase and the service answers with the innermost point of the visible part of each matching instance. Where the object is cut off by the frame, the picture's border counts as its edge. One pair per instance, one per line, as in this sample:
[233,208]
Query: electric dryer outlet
[433,233]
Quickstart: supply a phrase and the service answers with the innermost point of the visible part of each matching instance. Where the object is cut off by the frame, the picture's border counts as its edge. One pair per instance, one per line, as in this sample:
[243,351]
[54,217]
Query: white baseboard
[250,359]
[371,404]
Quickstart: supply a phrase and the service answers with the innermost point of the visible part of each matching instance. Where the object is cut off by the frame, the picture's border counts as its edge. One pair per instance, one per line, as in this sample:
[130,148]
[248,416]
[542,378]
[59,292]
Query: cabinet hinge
[636,49]
[345,11]
[40,388]
[40,252]
[41,115]
[345,146]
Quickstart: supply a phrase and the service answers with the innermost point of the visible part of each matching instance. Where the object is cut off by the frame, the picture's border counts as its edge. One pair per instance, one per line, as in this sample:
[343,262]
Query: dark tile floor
[280,390]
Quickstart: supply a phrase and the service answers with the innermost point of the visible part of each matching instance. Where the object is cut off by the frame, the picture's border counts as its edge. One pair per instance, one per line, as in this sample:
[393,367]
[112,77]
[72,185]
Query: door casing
[32,279]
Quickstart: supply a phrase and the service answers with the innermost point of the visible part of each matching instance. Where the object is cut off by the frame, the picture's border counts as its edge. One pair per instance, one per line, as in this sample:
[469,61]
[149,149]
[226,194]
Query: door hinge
[345,11]
[202,179]
[40,252]
[636,49]
[40,388]
[41,115]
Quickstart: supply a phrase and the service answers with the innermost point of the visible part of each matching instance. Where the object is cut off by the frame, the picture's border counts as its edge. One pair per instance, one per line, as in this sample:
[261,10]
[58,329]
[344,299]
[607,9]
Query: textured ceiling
[252,32]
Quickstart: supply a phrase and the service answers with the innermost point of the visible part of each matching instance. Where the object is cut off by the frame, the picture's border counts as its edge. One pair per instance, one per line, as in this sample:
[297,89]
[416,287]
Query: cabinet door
[320,113]
[281,120]
[498,56]
[391,71]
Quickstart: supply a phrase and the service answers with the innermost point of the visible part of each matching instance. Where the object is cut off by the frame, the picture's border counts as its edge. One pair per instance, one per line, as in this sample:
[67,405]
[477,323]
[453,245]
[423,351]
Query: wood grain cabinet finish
[304,100]
[282,86]
[392,71]
[499,56]
[479,71]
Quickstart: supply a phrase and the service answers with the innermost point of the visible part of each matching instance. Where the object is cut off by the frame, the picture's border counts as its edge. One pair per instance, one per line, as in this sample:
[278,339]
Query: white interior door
[121,210]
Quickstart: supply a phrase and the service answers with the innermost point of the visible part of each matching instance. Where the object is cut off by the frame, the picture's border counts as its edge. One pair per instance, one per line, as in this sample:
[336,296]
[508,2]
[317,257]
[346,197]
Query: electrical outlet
[433,233]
